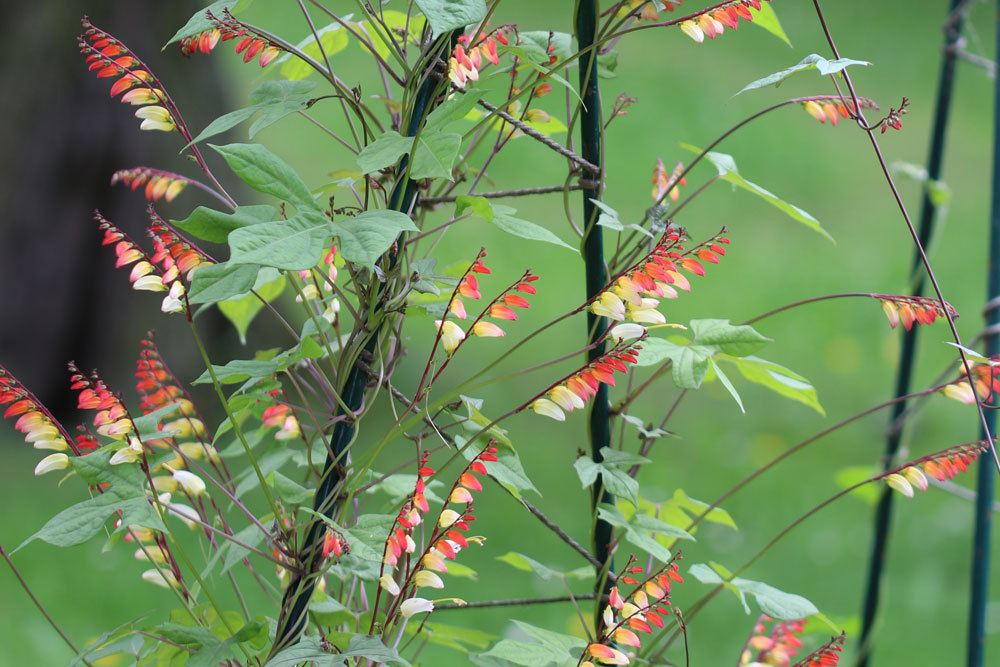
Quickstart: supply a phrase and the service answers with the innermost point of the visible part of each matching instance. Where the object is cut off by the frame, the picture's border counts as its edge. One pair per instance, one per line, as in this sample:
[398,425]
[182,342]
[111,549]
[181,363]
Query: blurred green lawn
[685,94]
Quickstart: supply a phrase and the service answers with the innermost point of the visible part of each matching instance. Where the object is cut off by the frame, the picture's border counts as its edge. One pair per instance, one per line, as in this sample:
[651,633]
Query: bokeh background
[62,300]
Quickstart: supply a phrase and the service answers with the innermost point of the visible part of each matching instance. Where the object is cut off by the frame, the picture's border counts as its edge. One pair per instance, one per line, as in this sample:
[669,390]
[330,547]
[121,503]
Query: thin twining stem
[499,194]
[914,235]
[514,602]
[41,608]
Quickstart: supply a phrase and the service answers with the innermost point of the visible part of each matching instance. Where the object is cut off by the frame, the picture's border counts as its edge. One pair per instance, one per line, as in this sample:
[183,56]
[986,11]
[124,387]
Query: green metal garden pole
[986,479]
[883,511]
[593,250]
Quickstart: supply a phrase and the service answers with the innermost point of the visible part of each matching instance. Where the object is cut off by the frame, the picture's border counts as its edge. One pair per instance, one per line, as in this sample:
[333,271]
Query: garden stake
[599,418]
[985,484]
[883,511]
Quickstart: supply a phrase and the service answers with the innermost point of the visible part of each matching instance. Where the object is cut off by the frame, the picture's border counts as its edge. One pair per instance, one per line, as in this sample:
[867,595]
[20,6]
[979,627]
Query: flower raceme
[628,614]
[633,295]
[109,57]
[171,251]
[573,392]
[145,275]
[159,184]
[466,61]
[774,645]
[280,416]
[912,310]
[827,655]
[832,108]
[447,537]
[985,378]
[501,308]
[714,22]
[250,45]
[941,466]
[648,10]
[39,427]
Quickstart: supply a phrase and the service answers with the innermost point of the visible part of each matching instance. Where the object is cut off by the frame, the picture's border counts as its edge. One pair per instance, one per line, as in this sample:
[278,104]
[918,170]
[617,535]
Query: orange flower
[36,423]
[466,62]
[774,646]
[827,655]
[664,185]
[573,391]
[985,378]
[172,252]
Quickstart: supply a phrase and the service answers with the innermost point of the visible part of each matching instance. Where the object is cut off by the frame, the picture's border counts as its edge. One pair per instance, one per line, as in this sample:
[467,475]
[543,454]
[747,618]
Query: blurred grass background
[685,94]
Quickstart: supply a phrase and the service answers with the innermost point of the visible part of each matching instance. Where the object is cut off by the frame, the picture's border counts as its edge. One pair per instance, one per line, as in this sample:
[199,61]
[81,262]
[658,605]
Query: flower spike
[109,57]
[573,391]
[159,184]
[713,22]
[173,253]
[145,275]
[985,378]
[667,185]
[941,466]
[827,655]
[833,107]
[36,423]
[252,43]
[776,645]
[912,310]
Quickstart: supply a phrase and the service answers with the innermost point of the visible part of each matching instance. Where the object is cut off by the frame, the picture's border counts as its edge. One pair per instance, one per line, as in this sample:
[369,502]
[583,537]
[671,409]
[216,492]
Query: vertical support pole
[599,419]
[883,511]
[986,477]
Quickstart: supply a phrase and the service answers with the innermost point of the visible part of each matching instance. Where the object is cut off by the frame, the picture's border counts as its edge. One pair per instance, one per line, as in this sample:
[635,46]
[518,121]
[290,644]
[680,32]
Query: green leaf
[543,648]
[766,18]
[80,522]
[812,61]
[221,281]
[455,637]
[435,154]
[214,226]
[689,363]
[445,15]
[726,167]
[270,102]
[696,507]
[612,471]
[479,206]
[199,22]
[368,235]
[773,602]
[503,217]
[241,370]
[333,39]
[536,43]
[777,378]
[383,152]
[453,109]
[724,379]
[736,340]
[265,172]
[295,244]
[242,310]
[287,489]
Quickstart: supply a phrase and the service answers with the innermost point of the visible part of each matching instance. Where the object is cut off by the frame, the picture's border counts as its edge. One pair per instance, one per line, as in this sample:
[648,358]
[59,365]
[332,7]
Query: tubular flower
[638,611]
[714,22]
[172,252]
[633,294]
[36,423]
[665,185]
[985,377]
[832,108]
[280,415]
[250,45]
[466,62]
[827,655]
[335,544]
[159,184]
[941,466]
[109,57]
[145,275]
[572,392]
[912,310]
